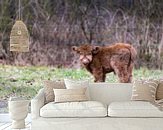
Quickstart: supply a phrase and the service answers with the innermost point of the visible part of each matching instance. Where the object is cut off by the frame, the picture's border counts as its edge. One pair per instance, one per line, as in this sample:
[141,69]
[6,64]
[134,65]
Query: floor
[7,126]
[5,122]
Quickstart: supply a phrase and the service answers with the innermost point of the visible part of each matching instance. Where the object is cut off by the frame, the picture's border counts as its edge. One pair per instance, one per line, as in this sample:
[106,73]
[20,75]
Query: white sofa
[112,110]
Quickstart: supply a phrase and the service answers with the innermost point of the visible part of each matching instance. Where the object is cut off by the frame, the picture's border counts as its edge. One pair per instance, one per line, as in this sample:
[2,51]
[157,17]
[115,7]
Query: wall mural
[97,40]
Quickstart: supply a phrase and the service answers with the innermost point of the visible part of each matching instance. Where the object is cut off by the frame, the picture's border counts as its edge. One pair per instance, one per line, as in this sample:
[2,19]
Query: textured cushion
[70,95]
[159,93]
[71,84]
[144,90]
[48,89]
[133,109]
[74,109]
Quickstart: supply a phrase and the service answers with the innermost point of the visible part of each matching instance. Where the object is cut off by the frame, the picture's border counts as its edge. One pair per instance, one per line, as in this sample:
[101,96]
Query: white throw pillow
[72,84]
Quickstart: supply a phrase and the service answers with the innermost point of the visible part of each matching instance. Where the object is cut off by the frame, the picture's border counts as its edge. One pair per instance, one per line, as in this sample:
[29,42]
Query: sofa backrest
[109,92]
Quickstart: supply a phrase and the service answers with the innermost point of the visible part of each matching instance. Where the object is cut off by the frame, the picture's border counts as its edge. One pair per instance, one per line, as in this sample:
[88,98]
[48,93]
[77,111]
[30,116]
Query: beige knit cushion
[48,89]
[144,90]
[70,95]
[159,93]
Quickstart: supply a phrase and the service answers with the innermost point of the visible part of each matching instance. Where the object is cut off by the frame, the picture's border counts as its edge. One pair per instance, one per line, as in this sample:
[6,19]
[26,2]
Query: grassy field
[26,81]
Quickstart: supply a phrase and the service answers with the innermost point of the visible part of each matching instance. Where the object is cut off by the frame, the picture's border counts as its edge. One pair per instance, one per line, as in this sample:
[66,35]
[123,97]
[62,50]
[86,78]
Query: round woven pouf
[18,110]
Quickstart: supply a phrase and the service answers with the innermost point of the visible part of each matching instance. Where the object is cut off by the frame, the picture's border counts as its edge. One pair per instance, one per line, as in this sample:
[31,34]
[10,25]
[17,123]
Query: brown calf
[118,58]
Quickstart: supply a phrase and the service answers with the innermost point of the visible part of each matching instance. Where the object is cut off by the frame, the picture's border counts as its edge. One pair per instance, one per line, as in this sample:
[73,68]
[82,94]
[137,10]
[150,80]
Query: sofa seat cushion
[133,109]
[74,109]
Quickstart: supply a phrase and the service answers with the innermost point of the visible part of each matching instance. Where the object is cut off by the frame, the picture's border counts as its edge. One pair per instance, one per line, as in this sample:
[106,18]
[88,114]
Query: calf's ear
[95,49]
[74,48]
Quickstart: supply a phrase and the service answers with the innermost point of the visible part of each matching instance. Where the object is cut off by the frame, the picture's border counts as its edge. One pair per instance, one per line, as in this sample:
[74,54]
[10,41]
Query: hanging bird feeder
[19,37]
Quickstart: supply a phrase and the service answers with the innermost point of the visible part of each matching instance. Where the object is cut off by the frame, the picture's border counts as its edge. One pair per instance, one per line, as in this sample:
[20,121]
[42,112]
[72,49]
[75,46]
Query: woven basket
[19,38]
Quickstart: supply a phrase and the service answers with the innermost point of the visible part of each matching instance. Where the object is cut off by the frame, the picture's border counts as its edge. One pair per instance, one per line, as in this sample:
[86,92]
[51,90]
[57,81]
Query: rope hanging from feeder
[19,11]
[19,37]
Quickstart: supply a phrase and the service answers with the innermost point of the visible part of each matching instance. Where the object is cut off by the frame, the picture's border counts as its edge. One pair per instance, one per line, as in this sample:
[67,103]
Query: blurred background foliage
[56,25]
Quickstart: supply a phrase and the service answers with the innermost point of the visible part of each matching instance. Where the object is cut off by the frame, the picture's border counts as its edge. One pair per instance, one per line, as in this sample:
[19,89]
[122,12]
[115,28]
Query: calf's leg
[130,68]
[123,74]
[98,75]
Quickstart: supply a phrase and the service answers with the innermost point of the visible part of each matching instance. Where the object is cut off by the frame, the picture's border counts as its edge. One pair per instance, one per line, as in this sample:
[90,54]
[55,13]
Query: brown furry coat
[118,58]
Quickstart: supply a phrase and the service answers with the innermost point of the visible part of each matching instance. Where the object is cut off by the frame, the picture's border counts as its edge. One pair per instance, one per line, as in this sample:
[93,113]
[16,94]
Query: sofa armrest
[36,103]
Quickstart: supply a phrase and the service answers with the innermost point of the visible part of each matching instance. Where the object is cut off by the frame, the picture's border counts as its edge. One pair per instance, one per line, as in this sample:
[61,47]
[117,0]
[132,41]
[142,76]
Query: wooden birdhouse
[19,38]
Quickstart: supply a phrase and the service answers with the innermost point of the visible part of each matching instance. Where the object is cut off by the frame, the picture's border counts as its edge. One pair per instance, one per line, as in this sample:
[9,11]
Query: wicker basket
[19,38]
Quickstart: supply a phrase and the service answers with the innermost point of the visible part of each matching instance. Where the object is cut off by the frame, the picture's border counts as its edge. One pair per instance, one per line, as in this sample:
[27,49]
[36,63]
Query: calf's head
[86,52]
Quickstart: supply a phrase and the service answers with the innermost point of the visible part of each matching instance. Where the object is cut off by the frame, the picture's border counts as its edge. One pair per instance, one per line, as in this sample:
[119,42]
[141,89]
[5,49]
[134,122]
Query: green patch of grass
[26,81]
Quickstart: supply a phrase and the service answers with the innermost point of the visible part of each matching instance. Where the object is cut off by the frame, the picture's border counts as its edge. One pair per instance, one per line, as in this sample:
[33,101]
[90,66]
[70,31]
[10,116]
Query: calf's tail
[133,54]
